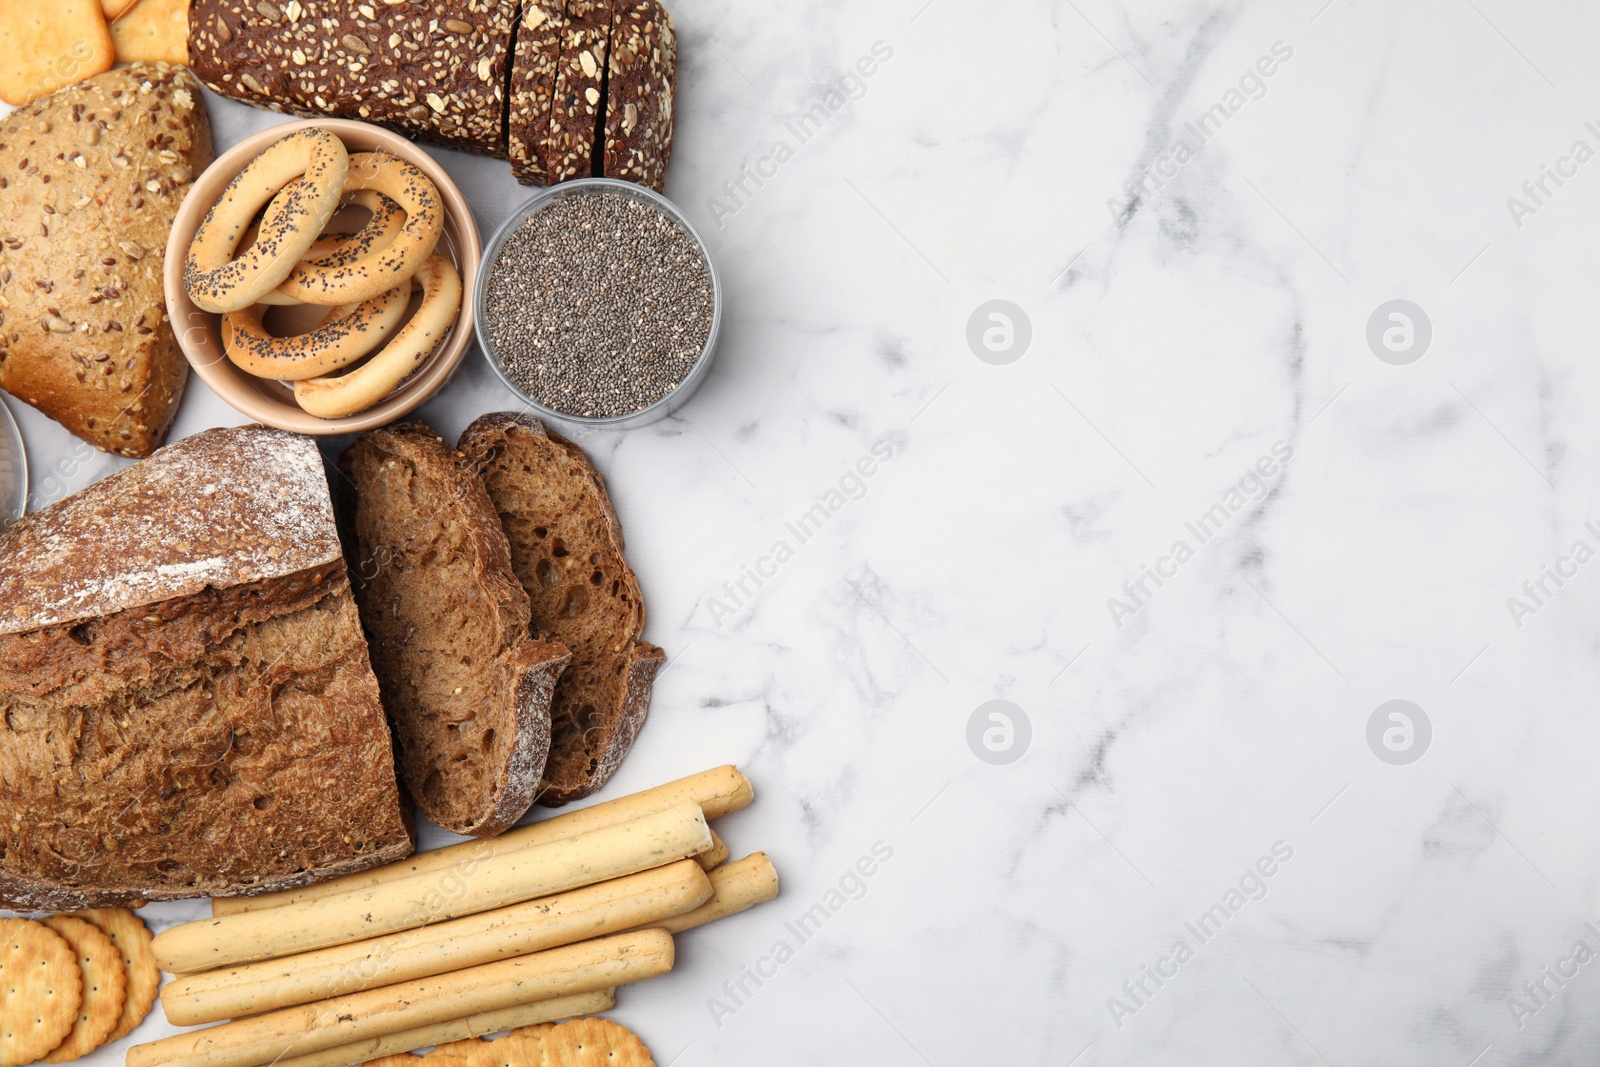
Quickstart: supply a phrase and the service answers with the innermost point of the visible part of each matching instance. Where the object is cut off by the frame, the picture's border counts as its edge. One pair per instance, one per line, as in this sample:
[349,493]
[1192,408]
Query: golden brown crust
[90,179]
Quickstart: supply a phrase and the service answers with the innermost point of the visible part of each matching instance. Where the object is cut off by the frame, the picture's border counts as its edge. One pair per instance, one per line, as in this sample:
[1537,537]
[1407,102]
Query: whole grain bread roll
[90,179]
[186,705]
[466,687]
[433,69]
[566,548]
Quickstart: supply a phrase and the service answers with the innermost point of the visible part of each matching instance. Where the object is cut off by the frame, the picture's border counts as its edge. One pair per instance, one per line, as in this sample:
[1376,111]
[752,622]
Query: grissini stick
[536,871]
[588,966]
[717,792]
[605,908]
[716,855]
[489,1022]
[735,886]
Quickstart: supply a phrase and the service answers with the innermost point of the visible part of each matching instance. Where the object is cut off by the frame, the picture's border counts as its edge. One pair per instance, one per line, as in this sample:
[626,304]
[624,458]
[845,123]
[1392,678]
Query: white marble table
[1202,847]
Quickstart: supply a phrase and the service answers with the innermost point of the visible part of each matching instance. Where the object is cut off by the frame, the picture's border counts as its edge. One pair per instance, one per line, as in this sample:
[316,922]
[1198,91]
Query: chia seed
[599,305]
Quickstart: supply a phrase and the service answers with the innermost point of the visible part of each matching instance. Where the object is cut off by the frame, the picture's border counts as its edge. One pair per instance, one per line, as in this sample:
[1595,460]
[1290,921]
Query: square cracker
[153,31]
[51,44]
[115,8]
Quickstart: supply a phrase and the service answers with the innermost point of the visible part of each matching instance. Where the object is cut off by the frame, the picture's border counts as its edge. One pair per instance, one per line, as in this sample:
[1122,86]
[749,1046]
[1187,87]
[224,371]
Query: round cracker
[399,1059]
[132,937]
[41,989]
[105,987]
[509,1051]
[594,1042]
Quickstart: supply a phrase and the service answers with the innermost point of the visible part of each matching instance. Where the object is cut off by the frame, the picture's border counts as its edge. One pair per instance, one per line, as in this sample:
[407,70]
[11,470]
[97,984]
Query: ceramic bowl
[270,402]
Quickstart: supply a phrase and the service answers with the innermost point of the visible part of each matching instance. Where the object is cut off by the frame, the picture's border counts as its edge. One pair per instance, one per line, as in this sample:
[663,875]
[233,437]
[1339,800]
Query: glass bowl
[588,187]
[13,470]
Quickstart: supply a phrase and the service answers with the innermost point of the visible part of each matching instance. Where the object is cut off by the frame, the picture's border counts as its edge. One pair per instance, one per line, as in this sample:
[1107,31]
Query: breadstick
[718,792]
[649,841]
[489,1022]
[735,886]
[558,972]
[610,907]
[715,856]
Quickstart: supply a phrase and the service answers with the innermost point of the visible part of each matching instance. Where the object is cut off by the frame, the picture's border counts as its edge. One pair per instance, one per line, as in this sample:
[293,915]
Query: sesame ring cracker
[342,249]
[384,267]
[349,332]
[219,281]
[359,389]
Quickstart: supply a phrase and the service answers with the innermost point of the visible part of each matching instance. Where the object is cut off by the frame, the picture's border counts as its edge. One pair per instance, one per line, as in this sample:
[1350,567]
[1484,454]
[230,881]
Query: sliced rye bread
[467,690]
[566,548]
[533,87]
[643,60]
[577,112]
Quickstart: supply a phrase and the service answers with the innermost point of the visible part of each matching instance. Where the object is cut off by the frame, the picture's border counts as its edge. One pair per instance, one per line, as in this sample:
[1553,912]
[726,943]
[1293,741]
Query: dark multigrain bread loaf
[533,87]
[186,705]
[435,69]
[643,58]
[566,548]
[467,690]
[90,179]
[578,107]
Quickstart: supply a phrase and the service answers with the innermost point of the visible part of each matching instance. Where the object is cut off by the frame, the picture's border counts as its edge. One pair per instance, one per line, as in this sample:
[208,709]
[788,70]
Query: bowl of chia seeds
[598,304]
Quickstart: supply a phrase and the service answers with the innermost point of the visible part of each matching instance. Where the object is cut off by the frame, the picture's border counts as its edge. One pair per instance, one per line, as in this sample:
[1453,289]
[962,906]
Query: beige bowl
[199,333]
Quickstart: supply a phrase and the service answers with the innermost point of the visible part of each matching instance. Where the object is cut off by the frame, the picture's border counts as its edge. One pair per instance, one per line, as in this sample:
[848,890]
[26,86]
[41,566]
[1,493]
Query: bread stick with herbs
[488,1022]
[715,856]
[582,968]
[608,907]
[717,792]
[735,887]
[537,871]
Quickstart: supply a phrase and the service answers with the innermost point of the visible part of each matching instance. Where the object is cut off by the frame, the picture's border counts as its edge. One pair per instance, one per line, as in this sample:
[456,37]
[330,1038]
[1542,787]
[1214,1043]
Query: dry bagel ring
[217,280]
[340,249]
[385,268]
[359,389]
[349,332]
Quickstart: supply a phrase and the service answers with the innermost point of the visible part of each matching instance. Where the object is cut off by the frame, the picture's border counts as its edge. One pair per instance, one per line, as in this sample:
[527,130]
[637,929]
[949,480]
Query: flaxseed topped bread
[566,548]
[90,179]
[186,704]
[467,689]
[435,69]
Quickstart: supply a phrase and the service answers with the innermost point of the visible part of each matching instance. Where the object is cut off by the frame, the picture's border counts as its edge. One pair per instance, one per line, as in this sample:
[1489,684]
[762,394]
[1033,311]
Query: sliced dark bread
[533,88]
[577,110]
[643,58]
[566,548]
[467,690]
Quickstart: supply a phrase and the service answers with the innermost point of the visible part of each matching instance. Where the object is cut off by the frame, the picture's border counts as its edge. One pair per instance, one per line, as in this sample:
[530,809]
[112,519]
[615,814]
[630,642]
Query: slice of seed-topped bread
[566,548]
[467,690]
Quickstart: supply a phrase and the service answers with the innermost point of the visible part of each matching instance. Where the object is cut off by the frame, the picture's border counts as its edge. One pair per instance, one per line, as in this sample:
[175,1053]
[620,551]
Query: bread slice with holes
[467,689]
[566,549]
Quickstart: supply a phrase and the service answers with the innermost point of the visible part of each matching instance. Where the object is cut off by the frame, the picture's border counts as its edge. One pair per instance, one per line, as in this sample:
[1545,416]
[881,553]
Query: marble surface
[1197,533]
